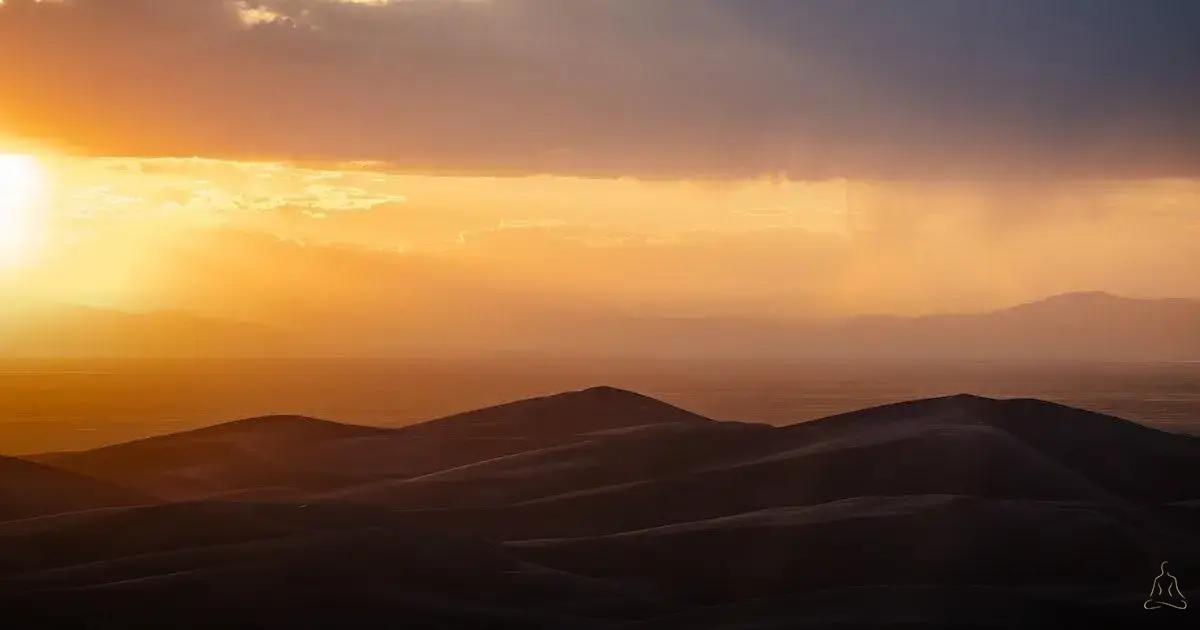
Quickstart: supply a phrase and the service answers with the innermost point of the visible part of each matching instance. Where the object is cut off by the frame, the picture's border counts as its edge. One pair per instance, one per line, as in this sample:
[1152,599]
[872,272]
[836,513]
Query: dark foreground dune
[30,489]
[607,509]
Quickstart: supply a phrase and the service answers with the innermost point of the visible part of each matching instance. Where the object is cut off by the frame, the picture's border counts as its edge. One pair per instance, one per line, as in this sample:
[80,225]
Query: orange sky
[374,164]
[136,233]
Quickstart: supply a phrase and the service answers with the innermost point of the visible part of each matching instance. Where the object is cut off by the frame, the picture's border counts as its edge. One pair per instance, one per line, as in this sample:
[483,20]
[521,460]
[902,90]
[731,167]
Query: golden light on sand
[21,186]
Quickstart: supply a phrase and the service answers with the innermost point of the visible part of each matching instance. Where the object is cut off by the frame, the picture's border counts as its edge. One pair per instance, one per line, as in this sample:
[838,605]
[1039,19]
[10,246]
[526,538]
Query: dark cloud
[935,89]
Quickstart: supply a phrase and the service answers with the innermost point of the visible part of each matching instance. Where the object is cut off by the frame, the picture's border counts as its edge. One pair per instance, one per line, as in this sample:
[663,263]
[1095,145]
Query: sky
[354,166]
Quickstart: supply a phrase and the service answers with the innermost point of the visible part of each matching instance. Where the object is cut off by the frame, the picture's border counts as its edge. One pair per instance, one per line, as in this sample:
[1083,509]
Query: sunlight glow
[21,183]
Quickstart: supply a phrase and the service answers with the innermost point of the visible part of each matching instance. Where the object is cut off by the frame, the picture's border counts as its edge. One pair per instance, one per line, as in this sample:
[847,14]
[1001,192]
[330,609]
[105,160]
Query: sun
[21,183]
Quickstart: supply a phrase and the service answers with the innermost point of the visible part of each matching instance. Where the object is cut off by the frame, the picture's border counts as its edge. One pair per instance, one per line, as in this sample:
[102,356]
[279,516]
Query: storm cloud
[655,88]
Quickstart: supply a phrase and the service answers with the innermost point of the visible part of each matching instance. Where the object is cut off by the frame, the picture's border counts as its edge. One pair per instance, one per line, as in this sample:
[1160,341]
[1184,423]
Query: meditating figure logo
[1165,592]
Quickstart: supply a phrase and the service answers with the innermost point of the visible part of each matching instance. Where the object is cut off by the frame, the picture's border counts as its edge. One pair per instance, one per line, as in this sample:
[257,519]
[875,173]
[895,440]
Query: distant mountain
[1083,326]
[606,509]
[1089,326]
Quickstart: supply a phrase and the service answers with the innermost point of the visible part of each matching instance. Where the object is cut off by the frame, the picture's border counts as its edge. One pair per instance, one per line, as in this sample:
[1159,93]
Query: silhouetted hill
[960,445]
[29,489]
[1128,459]
[267,452]
[308,454]
[566,421]
[604,509]
[572,413]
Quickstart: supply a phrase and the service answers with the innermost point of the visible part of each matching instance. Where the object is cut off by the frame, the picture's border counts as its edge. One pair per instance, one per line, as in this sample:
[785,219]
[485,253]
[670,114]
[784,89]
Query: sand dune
[256,452]
[29,489]
[603,508]
[310,454]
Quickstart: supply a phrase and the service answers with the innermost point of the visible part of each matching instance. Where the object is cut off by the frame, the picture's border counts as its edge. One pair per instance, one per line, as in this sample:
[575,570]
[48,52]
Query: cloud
[699,246]
[252,15]
[668,88]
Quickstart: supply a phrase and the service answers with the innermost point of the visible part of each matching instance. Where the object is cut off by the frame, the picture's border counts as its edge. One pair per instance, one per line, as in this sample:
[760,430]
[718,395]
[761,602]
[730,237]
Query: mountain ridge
[1081,325]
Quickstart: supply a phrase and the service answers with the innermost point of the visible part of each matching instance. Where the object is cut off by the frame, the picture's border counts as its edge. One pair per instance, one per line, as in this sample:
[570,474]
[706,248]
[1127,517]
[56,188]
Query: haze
[438,177]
